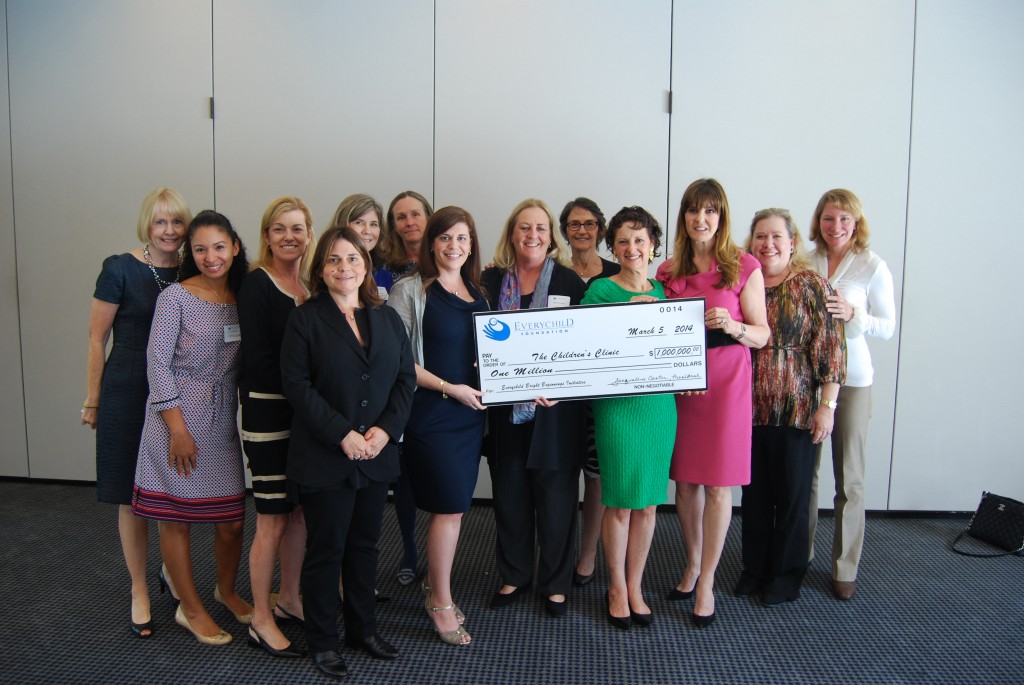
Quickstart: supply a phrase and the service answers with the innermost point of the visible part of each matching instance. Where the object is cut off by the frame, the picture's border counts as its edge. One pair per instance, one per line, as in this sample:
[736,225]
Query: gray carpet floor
[921,615]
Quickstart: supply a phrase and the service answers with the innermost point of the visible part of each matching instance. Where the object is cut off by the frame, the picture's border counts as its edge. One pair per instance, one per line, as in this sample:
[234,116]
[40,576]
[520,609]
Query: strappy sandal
[459,616]
[455,637]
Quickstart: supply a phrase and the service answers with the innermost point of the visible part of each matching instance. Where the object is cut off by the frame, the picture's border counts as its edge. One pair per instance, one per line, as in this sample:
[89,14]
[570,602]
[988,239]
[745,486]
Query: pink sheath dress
[713,430]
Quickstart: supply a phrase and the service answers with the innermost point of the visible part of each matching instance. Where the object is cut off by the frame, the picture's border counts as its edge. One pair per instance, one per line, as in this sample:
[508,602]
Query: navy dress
[442,439]
[128,283]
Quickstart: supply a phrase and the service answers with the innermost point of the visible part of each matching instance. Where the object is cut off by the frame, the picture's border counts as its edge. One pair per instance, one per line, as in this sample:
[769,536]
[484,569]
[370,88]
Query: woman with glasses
[583,227]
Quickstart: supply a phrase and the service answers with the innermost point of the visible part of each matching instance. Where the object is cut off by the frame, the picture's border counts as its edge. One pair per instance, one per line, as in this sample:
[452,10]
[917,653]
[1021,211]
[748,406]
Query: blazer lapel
[334,319]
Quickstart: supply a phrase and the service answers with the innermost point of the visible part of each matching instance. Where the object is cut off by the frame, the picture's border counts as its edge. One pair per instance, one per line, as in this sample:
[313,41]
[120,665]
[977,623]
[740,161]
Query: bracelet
[743,332]
[86,405]
[443,395]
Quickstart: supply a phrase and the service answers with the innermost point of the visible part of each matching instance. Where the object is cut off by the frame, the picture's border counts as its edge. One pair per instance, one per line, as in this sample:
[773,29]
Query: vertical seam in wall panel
[433,118]
[903,277]
[668,170]
[213,110]
[14,237]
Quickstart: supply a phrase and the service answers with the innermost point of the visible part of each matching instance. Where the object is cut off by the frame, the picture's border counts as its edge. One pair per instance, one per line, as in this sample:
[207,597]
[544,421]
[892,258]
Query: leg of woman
[615,536]
[291,551]
[359,565]
[328,514]
[690,510]
[849,443]
[227,548]
[593,512]
[405,511]
[176,549]
[270,529]
[757,514]
[717,515]
[812,505]
[790,491]
[556,495]
[442,541]
[641,531]
[514,518]
[134,532]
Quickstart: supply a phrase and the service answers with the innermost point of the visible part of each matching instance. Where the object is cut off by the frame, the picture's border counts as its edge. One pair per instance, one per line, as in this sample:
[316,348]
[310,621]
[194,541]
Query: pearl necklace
[160,283]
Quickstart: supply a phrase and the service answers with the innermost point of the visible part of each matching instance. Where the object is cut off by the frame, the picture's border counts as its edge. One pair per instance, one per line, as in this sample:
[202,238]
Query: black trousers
[774,510]
[533,508]
[342,530]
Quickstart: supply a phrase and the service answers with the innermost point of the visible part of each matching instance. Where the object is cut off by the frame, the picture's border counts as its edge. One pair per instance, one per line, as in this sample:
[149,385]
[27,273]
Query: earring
[650,257]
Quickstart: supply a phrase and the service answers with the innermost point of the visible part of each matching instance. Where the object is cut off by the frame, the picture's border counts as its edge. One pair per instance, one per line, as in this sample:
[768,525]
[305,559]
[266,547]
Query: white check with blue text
[601,350]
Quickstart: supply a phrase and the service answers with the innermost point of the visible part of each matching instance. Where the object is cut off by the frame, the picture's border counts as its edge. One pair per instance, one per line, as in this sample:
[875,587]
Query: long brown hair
[441,221]
[394,254]
[701,193]
[367,289]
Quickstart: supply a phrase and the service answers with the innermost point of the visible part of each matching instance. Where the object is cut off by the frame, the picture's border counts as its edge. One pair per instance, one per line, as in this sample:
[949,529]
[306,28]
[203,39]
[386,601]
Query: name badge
[558,300]
[382,292]
[232,333]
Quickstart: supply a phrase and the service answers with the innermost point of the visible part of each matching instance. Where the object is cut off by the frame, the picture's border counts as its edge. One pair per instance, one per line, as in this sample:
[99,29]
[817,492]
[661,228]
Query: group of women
[354,363]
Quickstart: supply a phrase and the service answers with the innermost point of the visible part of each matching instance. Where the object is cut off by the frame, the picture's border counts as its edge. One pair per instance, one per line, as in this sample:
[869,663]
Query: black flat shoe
[579,580]
[703,621]
[375,646]
[556,609]
[499,600]
[675,595]
[642,620]
[256,640]
[620,622]
[143,631]
[330,664]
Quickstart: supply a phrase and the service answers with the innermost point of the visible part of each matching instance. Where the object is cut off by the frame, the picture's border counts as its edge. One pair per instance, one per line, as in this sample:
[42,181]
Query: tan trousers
[849,454]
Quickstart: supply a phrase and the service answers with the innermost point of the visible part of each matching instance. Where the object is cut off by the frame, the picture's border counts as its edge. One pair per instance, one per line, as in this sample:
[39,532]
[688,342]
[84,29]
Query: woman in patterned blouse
[797,376]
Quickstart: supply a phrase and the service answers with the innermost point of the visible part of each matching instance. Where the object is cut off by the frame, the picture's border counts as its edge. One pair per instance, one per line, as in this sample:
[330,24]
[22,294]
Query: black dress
[128,283]
[441,446]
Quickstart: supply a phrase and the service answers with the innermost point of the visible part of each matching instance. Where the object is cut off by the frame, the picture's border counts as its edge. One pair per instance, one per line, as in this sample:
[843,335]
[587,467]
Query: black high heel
[166,586]
[256,641]
[620,622]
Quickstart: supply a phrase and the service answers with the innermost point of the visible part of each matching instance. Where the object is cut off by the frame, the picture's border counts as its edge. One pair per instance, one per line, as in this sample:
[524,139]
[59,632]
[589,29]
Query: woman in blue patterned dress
[123,303]
[190,458]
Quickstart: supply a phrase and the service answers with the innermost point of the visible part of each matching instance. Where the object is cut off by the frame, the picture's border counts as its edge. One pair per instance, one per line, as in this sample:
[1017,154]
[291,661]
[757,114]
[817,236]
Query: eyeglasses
[576,225]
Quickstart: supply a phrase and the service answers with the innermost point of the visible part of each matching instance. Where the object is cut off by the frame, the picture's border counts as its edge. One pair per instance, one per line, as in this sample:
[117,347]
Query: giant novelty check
[602,350]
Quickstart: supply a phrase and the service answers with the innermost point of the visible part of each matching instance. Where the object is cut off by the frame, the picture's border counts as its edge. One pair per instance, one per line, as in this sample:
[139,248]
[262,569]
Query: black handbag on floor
[999,521]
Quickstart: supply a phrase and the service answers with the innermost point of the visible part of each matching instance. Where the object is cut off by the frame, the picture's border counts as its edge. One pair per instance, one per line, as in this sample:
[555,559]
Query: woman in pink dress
[712,450]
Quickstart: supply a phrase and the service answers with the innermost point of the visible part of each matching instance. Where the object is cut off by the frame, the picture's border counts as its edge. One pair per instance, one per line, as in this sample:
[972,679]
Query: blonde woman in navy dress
[269,294]
[123,303]
[190,458]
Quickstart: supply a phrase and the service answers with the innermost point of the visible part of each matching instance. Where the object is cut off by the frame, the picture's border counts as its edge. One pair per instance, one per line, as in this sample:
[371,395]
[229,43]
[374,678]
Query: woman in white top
[864,301]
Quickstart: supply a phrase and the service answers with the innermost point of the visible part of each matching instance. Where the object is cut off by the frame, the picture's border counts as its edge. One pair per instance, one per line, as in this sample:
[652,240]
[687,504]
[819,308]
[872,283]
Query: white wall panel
[782,101]
[14,455]
[109,99]
[321,99]
[551,100]
[959,405]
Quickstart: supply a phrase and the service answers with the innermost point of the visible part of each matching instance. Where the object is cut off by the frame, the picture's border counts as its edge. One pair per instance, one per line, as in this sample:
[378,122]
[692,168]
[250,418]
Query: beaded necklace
[160,283]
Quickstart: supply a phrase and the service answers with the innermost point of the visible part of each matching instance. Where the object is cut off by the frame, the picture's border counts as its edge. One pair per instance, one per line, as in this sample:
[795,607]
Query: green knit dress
[634,435]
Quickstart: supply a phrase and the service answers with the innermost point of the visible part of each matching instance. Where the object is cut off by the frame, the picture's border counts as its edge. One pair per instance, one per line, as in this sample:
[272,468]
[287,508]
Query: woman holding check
[538,446]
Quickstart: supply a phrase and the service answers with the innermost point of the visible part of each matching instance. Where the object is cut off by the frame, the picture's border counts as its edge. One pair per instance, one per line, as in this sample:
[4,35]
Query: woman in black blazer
[538,447]
[347,369]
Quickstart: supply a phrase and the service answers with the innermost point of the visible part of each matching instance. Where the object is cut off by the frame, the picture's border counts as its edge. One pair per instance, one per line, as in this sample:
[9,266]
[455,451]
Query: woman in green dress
[634,473]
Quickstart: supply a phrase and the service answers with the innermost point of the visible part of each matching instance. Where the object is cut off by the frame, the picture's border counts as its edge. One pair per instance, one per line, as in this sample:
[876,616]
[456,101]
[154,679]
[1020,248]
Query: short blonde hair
[285,203]
[847,201]
[159,200]
[798,261]
[505,254]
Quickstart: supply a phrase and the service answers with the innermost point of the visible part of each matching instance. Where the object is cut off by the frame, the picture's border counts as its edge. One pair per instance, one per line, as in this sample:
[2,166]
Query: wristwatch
[831,404]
